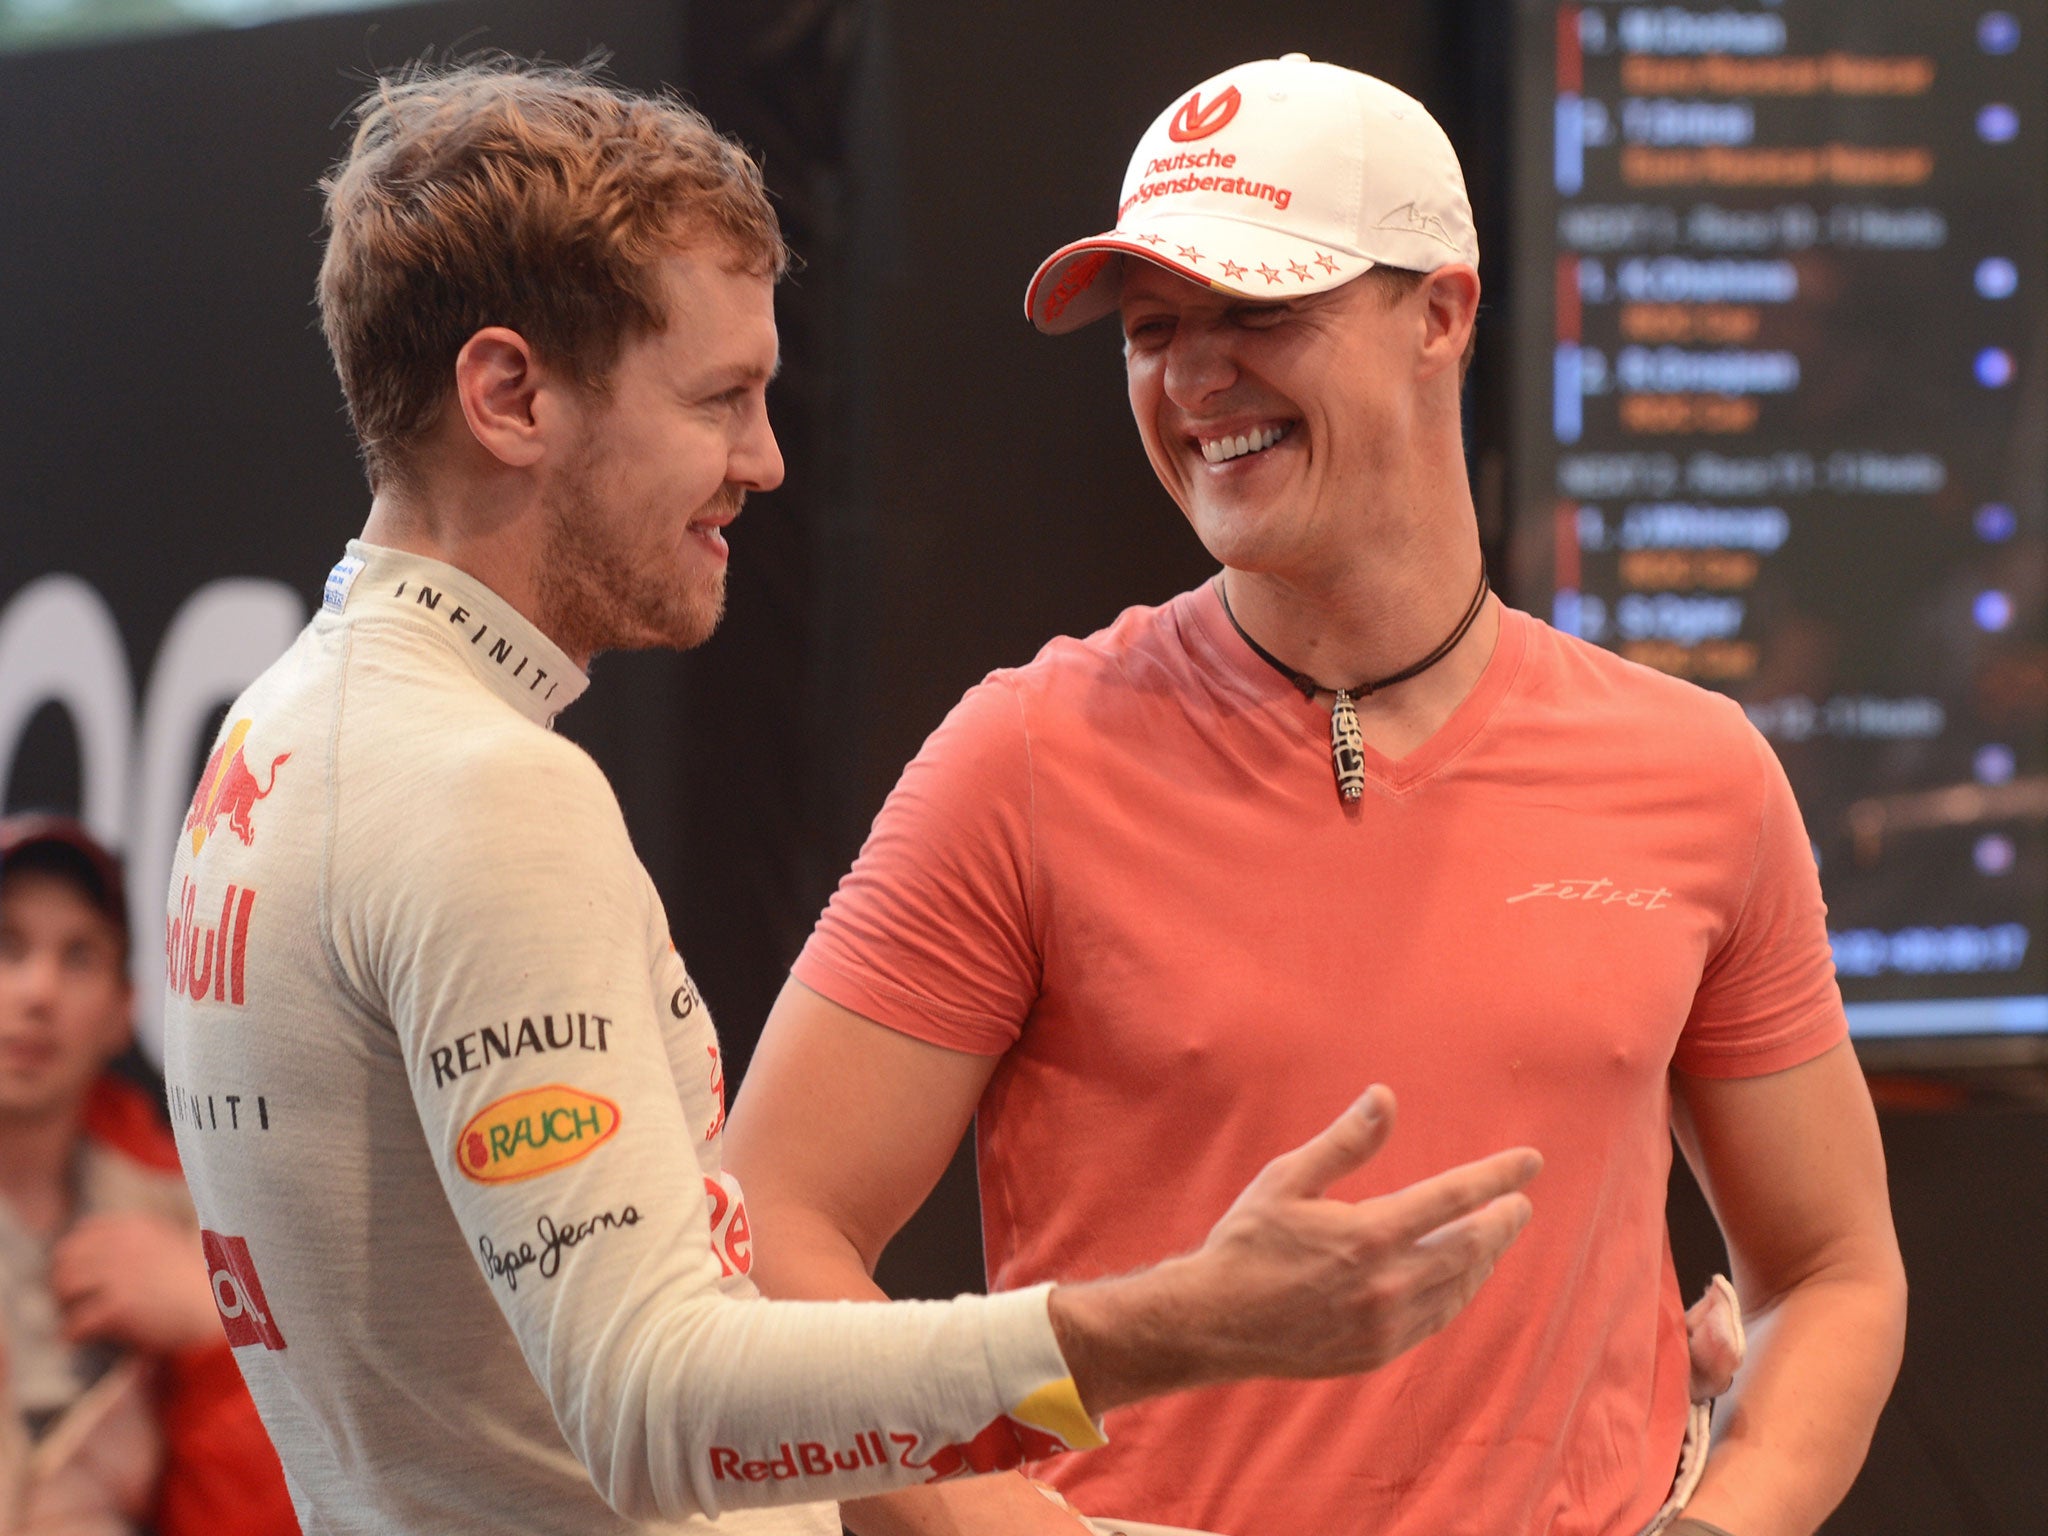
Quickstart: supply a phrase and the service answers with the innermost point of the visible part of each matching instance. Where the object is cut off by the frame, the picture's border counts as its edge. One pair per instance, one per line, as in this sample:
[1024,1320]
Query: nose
[1198,363]
[31,982]
[756,461]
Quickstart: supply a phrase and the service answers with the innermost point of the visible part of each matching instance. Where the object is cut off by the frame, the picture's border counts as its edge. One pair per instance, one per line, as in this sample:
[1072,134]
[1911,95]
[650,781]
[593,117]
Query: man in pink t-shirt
[1151,907]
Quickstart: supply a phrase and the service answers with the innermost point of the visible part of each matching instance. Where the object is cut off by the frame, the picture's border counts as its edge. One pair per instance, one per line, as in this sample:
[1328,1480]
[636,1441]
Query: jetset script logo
[1195,121]
[229,789]
[237,1293]
[526,1134]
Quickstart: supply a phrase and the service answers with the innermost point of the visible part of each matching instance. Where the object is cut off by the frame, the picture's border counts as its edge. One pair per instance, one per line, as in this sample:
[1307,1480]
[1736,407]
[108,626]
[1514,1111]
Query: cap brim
[1082,282]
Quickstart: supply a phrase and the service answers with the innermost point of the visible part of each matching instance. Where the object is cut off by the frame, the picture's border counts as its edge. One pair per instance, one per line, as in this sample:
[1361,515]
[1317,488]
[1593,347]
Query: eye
[1259,317]
[1147,330]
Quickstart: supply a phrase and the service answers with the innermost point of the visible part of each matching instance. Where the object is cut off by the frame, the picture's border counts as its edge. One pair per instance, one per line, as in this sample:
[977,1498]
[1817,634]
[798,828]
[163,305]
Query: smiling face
[1275,426]
[64,996]
[634,549]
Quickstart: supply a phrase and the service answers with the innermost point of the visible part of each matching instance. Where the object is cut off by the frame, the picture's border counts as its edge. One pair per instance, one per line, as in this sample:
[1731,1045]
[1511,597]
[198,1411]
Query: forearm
[809,1258]
[1792,1434]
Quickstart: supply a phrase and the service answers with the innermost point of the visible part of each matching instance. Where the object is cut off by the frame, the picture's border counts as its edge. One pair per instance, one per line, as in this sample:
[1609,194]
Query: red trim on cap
[1119,245]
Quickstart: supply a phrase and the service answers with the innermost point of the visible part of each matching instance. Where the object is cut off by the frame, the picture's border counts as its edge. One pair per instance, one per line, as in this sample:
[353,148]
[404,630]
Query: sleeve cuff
[1031,1374]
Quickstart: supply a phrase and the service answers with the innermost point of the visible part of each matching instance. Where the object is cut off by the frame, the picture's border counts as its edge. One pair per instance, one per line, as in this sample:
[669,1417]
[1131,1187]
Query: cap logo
[1410,219]
[1077,280]
[1195,121]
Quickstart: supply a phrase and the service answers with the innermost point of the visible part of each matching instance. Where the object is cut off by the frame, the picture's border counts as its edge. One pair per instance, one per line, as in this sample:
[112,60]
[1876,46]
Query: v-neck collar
[1249,675]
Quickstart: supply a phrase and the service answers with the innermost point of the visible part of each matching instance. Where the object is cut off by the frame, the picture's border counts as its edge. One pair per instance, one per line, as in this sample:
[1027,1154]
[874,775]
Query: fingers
[1344,1146]
[89,1317]
[1430,1203]
[1464,1251]
[82,1259]
[1432,1310]
[1713,1336]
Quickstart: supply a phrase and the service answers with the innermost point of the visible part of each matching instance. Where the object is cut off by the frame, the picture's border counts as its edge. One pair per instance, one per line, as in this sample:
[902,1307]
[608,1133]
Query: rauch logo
[1195,121]
[229,789]
[237,1293]
[534,1132]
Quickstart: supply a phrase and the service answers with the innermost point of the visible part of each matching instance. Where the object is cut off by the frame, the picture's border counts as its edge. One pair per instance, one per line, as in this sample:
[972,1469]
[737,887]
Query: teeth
[1219,449]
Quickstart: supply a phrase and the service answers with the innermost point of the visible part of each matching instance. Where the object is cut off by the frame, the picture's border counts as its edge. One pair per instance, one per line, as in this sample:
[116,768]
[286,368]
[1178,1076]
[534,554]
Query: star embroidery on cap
[1189,253]
[1298,270]
[1231,268]
[1270,274]
[1153,239]
[1323,261]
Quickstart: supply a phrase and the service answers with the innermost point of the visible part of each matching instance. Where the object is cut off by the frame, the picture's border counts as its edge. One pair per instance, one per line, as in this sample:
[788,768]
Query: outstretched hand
[1291,1283]
[1327,1287]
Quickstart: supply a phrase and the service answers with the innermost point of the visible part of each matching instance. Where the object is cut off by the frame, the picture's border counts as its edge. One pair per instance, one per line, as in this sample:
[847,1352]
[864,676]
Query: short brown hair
[1396,283]
[533,196]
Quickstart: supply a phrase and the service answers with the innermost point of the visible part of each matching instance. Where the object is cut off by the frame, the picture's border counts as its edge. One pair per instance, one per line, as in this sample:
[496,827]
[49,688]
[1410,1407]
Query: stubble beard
[599,595]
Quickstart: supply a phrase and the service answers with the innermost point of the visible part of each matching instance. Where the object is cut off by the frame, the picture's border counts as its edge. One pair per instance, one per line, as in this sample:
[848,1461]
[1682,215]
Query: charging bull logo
[534,1132]
[229,789]
[1001,1445]
[1195,121]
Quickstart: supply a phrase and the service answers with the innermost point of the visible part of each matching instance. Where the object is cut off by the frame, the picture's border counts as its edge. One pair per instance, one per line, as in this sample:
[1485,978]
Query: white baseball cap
[1275,178]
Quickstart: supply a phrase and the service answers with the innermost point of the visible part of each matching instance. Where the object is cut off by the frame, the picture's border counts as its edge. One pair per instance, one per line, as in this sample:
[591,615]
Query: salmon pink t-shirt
[1125,869]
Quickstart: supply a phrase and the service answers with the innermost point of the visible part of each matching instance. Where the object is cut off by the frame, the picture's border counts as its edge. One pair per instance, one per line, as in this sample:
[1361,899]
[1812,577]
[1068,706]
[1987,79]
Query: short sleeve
[931,931]
[1767,999]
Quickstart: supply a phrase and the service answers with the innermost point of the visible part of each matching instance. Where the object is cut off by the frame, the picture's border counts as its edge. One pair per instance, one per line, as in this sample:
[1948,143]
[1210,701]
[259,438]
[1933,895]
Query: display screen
[1781,322]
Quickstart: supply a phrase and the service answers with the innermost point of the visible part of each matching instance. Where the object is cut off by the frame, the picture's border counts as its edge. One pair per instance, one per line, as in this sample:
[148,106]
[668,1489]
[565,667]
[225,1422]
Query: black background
[960,488]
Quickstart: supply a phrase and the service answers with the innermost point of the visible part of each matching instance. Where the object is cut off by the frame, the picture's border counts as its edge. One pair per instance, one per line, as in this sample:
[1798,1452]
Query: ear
[497,383]
[1451,307]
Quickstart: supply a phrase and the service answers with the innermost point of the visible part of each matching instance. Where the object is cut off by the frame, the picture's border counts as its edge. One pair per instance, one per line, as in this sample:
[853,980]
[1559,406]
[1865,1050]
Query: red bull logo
[526,1134]
[802,1458]
[732,1239]
[237,1293]
[204,962]
[1001,1445]
[227,788]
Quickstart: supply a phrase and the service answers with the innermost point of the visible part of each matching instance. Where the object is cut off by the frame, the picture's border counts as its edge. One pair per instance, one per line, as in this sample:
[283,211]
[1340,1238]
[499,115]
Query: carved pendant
[1347,748]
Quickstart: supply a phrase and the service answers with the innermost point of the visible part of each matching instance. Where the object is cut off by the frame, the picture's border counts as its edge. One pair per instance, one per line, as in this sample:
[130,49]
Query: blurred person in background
[123,1408]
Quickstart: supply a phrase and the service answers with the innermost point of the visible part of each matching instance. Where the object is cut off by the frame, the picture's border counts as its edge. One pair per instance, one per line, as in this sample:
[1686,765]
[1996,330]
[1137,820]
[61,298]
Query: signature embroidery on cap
[1195,121]
[1411,218]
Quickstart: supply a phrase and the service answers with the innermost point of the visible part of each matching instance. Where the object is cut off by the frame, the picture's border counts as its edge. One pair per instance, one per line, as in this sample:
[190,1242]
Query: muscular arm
[843,1127]
[1794,1170]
